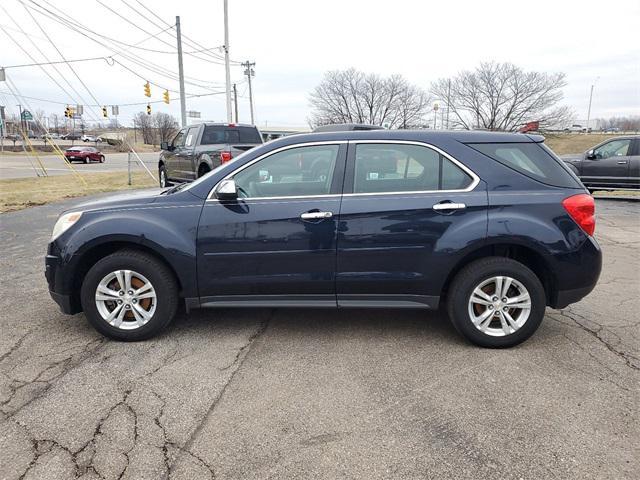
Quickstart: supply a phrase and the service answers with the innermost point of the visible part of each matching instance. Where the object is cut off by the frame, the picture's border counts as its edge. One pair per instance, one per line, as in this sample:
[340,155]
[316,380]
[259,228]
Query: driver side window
[178,141]
[614,148]
[301,171]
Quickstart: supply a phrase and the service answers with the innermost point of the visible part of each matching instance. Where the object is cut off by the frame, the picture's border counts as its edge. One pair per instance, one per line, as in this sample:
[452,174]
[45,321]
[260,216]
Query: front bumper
[68,302]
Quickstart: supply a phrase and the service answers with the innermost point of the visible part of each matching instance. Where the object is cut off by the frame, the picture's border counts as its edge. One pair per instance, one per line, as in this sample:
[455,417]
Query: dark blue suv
[491,226]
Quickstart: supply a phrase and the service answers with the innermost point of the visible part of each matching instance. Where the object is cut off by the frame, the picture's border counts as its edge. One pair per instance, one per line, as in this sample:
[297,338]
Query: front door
[608,164]
[407,211]
[172,160]
[277,242]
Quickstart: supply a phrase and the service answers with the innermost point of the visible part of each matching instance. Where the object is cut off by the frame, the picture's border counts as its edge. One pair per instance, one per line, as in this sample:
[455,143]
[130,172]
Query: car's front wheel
[496,302]
[101,158]
[129,295]
[162,175]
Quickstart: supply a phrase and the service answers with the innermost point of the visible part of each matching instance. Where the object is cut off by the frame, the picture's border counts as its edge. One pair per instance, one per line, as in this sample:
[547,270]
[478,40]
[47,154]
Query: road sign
[79,110]
[26,115]
[115,110]
[193,114]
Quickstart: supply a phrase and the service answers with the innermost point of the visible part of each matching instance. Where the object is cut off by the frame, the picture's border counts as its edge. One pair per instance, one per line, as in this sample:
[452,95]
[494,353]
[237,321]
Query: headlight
[64,223]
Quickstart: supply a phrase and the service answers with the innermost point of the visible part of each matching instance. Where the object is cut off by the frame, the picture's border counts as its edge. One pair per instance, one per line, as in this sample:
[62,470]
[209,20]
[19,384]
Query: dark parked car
[612,164]
[198,149]
[493,227]
[84,154]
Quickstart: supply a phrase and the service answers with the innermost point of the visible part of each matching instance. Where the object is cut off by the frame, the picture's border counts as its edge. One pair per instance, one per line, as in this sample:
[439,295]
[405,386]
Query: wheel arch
[98,251]
[524,254]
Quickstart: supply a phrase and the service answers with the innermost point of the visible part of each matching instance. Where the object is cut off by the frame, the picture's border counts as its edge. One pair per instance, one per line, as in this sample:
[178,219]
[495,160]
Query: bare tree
[55,120]
[166,126]
[145,123]
[502,96]
[350,96]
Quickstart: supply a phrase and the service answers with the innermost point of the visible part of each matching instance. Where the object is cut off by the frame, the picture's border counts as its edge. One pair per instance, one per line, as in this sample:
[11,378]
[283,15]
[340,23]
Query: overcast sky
[294,42]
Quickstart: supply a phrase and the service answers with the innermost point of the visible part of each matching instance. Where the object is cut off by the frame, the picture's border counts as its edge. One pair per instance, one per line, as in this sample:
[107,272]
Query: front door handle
[444,206]
[316,215]
[622,162]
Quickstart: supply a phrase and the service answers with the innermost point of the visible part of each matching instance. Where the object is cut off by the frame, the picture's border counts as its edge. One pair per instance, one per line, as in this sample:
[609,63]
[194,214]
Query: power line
[72,24]
[54,63]
[188,40]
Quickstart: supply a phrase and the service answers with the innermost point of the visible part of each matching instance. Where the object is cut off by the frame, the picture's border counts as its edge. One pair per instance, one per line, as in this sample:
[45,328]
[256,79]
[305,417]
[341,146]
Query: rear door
[634,164]
[407,212]
[277,242]
[608,165]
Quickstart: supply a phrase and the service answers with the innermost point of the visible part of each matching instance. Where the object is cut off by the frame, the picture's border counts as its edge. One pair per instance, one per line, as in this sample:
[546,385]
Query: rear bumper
[578,275]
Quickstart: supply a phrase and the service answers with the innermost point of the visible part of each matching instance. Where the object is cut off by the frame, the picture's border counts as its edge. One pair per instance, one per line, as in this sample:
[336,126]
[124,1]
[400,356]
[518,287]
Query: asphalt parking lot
[319,393]
[19,166]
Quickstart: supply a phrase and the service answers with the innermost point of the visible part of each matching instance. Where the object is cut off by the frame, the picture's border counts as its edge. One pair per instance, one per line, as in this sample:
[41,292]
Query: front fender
[169,232]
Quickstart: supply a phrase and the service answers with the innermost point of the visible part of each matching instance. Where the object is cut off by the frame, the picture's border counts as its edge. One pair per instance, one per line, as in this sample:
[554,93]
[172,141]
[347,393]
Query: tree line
[493,96]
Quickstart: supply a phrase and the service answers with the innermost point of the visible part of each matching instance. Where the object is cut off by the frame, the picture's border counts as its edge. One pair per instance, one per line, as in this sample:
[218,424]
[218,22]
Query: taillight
[582,209]
[225,156]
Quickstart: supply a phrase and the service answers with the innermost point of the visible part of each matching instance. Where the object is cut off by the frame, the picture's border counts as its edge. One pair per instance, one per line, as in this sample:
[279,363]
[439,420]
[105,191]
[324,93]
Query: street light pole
[226,61]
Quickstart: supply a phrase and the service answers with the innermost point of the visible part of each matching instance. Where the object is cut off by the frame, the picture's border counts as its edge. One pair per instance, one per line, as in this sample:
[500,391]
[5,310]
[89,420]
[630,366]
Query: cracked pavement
[318,393]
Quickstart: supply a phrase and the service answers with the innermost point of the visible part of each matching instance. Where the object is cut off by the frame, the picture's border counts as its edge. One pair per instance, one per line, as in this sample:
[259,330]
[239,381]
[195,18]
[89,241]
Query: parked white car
[90,138]
[575,128]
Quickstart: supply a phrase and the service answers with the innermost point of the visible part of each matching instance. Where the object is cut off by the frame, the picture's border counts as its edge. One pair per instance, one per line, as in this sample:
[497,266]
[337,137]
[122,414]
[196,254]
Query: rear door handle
[622,162]
[448,206]
[316,215]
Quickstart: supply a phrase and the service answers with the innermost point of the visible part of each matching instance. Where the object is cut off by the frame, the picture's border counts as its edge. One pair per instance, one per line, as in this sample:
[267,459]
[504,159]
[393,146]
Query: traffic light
[166,97]
[67,112]
[147,89]
[148,109]
[104,112]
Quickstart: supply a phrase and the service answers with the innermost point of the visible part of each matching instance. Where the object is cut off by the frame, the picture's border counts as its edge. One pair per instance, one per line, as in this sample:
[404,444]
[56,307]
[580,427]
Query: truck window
[249,135]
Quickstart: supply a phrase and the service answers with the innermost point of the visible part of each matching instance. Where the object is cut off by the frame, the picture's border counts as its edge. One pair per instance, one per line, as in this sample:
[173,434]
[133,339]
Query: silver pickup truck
[198,149]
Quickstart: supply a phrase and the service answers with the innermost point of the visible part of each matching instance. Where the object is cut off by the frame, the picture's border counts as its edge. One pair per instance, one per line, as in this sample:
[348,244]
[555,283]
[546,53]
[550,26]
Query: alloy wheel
[125,299]
[499,306]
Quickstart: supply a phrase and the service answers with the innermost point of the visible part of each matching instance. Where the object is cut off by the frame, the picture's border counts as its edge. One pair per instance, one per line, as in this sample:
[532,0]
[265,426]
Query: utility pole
[21,120]
[250,72]
[235,100]
[226,60]
[183,101]
[448,100]
[590,98]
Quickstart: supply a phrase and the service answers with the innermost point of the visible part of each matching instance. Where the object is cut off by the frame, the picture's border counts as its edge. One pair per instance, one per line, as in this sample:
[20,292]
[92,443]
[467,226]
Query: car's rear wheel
[203,170]
[129,296]
[496,302]
[84,160]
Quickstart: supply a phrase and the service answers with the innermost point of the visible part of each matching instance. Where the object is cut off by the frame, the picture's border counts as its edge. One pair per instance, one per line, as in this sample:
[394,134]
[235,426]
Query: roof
[428,136]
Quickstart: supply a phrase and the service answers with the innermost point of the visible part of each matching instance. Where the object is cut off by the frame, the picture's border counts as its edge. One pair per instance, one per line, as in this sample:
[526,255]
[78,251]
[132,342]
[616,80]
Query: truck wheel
[129,295]
[203,170]
[496,302]
[162,175]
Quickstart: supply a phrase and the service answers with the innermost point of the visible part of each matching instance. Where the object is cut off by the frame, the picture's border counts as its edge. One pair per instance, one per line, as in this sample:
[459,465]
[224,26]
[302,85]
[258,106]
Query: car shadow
[321,323]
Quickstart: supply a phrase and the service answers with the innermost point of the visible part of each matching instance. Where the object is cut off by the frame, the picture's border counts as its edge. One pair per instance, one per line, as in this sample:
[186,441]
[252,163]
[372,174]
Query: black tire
[473,275]
[101,158]
[160,276]
[162,177]
[203,170]
[84,160]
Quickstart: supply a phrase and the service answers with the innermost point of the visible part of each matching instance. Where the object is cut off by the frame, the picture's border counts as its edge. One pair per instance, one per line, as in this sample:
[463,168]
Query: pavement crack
[581,322]
[235,366]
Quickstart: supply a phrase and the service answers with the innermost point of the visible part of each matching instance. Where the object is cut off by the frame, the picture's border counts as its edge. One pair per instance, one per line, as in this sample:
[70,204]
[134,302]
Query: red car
[84,154]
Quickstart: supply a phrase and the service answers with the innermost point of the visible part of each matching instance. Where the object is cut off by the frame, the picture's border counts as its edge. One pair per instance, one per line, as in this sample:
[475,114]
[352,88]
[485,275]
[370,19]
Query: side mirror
[164,146]
[590,155]
[226,190]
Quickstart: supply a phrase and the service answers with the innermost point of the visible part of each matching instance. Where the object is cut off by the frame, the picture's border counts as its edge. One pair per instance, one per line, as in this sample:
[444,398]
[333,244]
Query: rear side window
[529,159]
[217,134]
[249,135]
[386,168]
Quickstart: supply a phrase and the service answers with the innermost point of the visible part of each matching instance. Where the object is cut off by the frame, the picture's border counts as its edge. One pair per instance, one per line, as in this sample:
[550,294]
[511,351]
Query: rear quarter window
[530,159]
[249,135]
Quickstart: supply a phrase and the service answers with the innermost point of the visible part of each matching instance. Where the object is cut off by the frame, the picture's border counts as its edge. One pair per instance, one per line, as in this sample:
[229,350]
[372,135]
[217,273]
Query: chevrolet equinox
[492,227]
